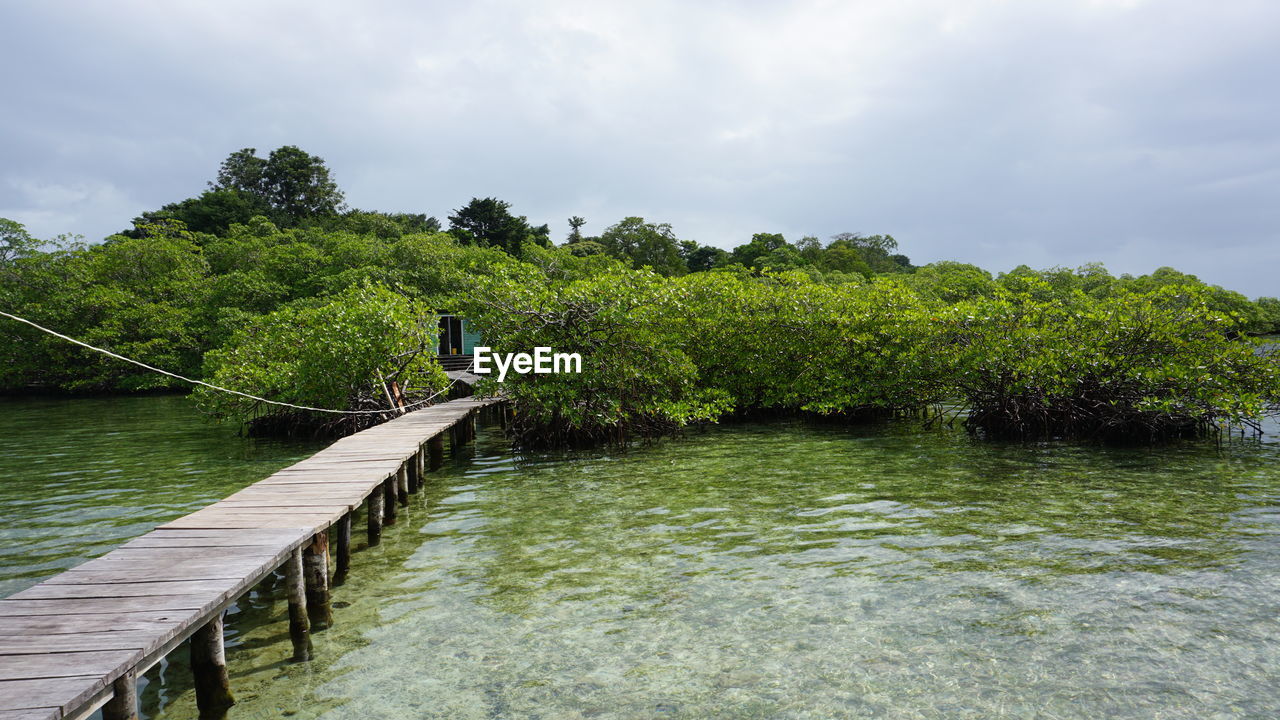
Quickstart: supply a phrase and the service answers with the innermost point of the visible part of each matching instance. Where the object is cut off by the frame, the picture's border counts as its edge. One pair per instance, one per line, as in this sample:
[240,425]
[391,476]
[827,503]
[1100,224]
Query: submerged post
[415,473]
[402,484]
[374,511]
[299,625]
[435,451]
[389,501]
[209,669]
[344,549]
[123,704]
[315,573]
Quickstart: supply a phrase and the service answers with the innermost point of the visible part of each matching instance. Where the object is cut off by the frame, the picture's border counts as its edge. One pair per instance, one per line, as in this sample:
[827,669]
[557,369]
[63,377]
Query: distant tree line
[268,266]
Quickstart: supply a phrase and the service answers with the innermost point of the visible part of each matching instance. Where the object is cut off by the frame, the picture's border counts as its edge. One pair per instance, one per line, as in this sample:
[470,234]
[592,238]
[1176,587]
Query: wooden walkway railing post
[209,668]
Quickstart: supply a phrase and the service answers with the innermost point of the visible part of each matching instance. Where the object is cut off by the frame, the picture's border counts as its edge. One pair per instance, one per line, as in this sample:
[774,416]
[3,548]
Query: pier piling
[435,453]
[209,669]
[123,704]
[299,623]
[374,511]
[315,573]
[402,484]
[344,550]
[390,500]
[415,475]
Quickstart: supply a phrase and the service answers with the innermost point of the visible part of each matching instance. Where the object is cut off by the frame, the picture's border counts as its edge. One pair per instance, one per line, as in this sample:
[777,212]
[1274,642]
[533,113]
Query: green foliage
[140,297]
[951,282]
[785,342]
[1137,365]
[1036,362]
[645,244]
[353,350]
[633,381]
[1269,314]
[214,212]
[266,282]
[292,184]
[15,242]
[488,222]
[701,258]
[575,229]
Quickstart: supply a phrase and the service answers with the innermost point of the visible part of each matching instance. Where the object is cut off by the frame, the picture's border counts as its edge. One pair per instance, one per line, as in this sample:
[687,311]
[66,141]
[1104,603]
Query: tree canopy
[488,222]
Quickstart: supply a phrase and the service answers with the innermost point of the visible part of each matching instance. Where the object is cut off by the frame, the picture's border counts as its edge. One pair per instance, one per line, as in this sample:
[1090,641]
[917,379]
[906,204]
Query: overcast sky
[1135,133]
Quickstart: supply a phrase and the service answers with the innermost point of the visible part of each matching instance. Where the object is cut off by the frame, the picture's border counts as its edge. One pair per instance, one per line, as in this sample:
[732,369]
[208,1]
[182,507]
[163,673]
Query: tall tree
[293,184]
[761,244]
[489,222]
[645,244]
[15,241]
[575,229]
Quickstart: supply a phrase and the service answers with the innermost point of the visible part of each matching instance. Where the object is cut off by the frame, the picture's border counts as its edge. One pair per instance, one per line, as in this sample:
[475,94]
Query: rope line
[228,390]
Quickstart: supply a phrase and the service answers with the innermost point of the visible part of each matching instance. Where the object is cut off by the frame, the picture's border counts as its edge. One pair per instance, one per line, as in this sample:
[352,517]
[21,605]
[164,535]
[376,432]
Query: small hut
[457,342]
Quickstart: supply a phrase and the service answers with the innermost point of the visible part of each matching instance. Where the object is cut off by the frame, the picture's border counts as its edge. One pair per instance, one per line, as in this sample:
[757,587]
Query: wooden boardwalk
[78,641]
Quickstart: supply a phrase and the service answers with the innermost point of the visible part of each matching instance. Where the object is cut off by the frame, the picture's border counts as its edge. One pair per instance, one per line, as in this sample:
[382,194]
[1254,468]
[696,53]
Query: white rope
[228,390]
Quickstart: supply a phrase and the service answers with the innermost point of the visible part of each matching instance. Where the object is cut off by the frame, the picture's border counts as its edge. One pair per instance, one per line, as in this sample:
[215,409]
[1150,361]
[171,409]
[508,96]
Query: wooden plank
[214,589]
[63,692]
[309,492]
[49,713]
[183,552]
[68,664]
[170,573]
[28,607]
[163,564]
[74,642]
[162,554]
[155,621]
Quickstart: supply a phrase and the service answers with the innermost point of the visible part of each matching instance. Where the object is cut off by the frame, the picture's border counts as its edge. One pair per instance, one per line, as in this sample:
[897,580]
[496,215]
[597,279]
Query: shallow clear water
[80,476]
[795,571]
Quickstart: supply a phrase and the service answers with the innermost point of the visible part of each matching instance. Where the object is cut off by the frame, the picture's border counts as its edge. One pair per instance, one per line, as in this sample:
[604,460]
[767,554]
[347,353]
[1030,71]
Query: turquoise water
[791,571]
[80,476]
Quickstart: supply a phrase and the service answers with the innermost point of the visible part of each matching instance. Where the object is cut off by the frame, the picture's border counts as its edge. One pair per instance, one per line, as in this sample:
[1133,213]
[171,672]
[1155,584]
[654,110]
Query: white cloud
[992,132]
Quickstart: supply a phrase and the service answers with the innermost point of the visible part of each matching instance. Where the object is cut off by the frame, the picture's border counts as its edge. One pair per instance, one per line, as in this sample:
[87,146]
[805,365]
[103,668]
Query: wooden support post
[299,625]
[389,503]
[315,573]
[420,462]
[402,484]
[344,549]
[435,451]
[123,704]
[374,510]
[415,473]
[209,669]
[473,425]
[455,437]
